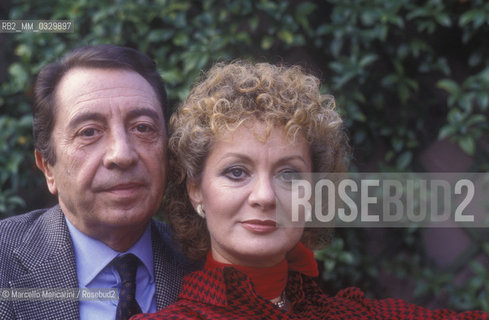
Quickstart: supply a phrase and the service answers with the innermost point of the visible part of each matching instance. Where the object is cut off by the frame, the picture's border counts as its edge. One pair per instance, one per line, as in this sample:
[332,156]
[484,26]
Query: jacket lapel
[169,266]
[47,257]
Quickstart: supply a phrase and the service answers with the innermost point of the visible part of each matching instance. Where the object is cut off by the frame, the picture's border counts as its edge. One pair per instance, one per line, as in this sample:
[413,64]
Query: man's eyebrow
[85,117]
[138,112]
[95,116]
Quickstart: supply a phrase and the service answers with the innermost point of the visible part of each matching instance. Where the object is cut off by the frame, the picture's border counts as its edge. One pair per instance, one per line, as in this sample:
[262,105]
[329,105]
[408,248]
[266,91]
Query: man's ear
[194,192]
[43,165]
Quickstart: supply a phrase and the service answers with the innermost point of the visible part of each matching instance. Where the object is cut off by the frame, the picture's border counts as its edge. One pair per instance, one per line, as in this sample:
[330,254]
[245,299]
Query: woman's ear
[194,192]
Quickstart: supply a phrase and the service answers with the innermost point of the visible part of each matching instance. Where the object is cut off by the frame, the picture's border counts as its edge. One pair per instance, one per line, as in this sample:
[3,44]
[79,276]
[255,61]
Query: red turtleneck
[270,282]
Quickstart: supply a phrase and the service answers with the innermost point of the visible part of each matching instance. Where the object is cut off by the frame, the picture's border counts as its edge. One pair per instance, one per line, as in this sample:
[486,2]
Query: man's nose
[120,151]
[263,193]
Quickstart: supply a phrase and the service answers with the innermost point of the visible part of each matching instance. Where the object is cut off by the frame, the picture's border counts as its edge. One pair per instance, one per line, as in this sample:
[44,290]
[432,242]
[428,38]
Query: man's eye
[90,132]
[143,128]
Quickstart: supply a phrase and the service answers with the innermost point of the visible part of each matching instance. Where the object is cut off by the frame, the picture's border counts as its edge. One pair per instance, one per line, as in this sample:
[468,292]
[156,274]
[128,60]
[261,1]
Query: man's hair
[229,96]
[104,56]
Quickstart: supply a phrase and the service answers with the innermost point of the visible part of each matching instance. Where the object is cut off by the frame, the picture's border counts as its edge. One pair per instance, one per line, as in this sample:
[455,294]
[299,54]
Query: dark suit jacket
[36,251]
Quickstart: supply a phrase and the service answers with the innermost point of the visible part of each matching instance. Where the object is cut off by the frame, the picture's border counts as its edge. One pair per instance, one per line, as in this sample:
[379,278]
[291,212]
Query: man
[100,140]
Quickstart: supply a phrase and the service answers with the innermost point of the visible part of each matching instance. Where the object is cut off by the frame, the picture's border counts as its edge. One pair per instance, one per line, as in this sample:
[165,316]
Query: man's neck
[119,239]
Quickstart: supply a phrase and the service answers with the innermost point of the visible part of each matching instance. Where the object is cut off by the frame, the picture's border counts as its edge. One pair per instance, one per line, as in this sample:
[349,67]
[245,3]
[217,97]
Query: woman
[235,144]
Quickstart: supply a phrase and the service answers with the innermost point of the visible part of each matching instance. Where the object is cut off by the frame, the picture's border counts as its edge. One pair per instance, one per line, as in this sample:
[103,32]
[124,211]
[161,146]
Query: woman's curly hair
[230,94]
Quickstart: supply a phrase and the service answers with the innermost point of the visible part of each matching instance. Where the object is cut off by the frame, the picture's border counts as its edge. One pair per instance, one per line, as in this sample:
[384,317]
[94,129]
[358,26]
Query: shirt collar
[96,255]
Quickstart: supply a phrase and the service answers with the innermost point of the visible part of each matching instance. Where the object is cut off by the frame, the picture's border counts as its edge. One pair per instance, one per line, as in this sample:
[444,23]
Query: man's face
[110,143]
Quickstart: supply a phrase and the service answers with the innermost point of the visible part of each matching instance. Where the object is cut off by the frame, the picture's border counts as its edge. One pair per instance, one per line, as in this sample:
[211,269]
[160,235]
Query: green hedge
[404,73]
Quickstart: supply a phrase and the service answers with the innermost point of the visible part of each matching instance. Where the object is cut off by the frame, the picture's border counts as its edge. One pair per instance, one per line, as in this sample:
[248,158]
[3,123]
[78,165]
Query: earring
[200,211]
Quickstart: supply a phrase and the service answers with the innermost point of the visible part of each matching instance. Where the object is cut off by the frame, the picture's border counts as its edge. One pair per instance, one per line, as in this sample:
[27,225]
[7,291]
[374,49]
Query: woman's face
[245,183]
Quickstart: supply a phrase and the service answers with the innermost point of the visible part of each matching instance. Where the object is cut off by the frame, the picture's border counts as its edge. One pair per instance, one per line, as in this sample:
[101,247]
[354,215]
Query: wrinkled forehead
[98,83]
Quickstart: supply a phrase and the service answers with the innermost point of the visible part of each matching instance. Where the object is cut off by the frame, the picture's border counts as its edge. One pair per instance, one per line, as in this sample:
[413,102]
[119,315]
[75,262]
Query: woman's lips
[260,226]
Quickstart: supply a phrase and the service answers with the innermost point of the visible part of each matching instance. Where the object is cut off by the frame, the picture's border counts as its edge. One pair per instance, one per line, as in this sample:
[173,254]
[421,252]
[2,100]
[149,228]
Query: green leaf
[266,43]
[369,17]
[483,100]
[359,116]
[19,75]
[448,85]
[17,201]
[253,22]
[24,51]
[172,76]
[447,132]
[337,66]
[444,20]
[160,35]
[181,39]
[306,8]
[323,29]
[367,59]
[467,17]
[467,144]
[397,143]
[455,116]
[477,267]
[404,160]
[286,36]
[477,118]
[302,13]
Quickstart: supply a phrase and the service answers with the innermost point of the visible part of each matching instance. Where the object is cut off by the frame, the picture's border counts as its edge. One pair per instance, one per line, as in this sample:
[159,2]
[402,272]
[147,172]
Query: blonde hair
[281,97]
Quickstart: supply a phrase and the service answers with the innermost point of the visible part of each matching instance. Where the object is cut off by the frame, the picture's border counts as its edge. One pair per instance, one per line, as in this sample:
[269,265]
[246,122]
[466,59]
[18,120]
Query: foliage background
[408,77]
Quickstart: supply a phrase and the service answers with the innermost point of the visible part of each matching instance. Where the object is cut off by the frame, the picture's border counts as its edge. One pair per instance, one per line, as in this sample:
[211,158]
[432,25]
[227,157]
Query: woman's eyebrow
[291,158]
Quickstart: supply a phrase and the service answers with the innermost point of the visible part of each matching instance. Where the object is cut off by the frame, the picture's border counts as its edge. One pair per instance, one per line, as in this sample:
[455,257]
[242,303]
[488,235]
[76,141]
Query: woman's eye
[235,173]
[290,175]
